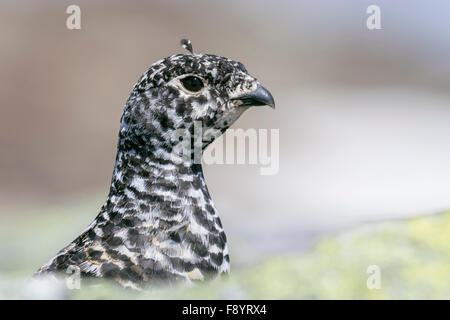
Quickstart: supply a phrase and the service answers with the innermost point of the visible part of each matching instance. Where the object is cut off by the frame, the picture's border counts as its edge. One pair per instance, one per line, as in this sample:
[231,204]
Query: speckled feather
[159,223]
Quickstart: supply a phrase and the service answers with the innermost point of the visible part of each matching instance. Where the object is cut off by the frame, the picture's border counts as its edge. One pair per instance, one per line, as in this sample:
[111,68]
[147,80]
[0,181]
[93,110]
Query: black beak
[260,97]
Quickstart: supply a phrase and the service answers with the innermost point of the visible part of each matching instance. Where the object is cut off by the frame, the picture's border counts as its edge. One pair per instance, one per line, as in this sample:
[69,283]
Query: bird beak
[259,97]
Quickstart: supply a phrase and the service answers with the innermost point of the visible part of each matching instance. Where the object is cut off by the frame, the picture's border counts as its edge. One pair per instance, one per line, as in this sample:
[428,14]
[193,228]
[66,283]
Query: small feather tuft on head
[186,43]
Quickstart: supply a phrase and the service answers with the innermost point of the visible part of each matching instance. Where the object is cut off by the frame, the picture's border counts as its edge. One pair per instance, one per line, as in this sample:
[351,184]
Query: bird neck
[169,207]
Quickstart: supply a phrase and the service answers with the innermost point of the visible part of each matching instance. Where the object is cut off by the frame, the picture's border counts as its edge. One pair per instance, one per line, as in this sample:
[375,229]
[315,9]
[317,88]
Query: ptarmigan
[159,223]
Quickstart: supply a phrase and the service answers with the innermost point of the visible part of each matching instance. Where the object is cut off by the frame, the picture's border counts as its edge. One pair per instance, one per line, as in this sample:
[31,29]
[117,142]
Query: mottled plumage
[159,223]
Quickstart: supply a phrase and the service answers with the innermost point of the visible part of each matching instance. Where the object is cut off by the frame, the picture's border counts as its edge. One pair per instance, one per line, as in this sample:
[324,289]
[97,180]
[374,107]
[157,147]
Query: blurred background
[363,116]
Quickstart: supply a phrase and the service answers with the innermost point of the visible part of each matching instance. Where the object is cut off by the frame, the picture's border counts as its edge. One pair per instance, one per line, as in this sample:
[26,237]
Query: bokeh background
[364,120]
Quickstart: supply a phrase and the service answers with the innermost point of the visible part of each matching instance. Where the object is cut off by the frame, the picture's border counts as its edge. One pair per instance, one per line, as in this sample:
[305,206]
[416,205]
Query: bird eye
[192,83]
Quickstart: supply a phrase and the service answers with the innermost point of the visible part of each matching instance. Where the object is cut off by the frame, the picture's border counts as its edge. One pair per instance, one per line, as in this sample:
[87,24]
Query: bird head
[184,89]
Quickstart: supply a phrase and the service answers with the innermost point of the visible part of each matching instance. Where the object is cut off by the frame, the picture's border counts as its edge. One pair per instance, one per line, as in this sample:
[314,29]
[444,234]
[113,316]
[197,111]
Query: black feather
[186,43]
